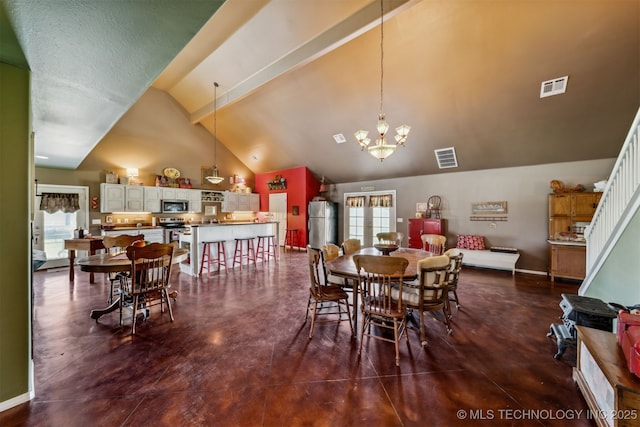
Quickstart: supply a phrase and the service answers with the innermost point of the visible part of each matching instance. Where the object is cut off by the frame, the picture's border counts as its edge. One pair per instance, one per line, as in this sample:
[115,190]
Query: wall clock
[172,173]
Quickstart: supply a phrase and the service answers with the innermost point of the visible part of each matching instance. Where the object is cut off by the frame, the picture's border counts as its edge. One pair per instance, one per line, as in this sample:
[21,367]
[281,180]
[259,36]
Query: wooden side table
[91,245]
[611,391]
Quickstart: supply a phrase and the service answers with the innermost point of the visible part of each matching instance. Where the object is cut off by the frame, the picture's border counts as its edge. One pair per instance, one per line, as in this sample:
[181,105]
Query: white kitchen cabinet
[152,197]
[244,202]
[112,198]
[175,193]
[195,201]
[134,198]
[255,202]
[121,198]
[230,202]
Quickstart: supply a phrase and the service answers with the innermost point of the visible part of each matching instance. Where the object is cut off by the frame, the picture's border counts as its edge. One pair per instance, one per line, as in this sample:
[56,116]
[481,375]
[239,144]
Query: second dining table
[343,266]
[117,263]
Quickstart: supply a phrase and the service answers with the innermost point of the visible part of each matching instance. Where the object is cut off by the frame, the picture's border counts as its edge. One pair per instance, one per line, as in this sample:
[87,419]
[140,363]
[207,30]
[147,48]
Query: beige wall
[156,133]
[524,188]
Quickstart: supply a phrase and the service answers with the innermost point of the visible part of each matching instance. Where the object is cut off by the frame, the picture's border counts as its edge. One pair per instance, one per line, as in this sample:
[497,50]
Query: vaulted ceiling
[294,73]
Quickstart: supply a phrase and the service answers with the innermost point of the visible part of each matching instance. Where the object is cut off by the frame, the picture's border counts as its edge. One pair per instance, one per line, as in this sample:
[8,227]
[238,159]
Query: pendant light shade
[214,178]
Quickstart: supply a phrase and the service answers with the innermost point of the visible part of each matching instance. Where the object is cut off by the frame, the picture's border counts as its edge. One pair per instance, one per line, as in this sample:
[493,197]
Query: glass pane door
[365,222]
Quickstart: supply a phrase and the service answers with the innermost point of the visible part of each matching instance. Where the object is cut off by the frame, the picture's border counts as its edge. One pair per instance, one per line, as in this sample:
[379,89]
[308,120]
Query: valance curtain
[54,202]
[383,201]
[355,202]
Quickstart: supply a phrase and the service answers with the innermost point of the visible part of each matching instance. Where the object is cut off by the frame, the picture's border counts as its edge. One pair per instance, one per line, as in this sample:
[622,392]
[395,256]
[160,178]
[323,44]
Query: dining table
[89,244]
[118,263]
[344,267]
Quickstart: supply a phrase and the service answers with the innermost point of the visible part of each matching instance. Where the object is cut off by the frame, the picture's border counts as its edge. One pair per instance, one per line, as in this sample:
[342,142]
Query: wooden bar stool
[207,259]
[266,248]
[239,253]
[291,238]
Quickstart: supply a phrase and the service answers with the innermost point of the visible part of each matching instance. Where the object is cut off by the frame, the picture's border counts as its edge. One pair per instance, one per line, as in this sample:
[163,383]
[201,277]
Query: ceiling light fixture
[381,148]
[214,178]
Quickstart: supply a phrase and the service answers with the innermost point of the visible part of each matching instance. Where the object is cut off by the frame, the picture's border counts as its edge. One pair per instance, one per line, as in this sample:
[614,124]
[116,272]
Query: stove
[171,222]
[580,311]
[173,227]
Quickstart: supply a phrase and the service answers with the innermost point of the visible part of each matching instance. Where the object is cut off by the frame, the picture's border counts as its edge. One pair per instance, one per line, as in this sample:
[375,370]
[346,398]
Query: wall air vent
[446,158]
[554,87]
[339,138]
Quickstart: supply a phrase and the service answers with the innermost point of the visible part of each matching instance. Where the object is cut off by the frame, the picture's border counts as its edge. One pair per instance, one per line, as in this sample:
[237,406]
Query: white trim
[18,400]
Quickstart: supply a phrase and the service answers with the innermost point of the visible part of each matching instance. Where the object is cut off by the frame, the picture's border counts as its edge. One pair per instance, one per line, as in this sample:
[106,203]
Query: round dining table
[117,263]
[343,266]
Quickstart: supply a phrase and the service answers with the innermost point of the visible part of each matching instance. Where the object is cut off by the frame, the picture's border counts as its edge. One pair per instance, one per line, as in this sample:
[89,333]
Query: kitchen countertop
[567,242]
[215,224]
[129,227]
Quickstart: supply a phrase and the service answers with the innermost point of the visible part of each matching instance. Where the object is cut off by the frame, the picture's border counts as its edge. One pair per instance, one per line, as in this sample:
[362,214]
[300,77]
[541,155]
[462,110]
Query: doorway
[278,207]
[367,214]
[51,229]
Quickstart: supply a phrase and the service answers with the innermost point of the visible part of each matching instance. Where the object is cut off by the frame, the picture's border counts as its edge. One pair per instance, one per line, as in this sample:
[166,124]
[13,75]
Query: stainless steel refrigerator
[323,224]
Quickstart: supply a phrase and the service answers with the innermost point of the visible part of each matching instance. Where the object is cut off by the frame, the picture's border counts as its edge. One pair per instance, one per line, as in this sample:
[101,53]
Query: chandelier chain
[381,55]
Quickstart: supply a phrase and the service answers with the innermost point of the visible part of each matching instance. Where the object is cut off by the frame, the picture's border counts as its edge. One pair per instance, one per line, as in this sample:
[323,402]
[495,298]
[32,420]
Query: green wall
[16,155]
[619,278]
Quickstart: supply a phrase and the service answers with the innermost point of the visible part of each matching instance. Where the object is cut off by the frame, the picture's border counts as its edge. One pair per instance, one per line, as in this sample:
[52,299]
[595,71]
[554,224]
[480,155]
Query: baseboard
[8,404]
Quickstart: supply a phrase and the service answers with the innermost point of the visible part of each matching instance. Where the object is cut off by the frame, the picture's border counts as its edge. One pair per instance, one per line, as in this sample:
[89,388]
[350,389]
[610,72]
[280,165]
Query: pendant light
[381,149]
[214,178]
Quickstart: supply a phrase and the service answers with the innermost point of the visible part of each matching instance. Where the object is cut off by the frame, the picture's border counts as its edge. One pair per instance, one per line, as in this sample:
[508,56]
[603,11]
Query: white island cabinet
[227,232]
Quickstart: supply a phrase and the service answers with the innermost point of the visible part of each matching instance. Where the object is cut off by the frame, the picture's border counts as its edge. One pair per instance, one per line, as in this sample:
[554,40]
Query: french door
[51,229]
[367,214]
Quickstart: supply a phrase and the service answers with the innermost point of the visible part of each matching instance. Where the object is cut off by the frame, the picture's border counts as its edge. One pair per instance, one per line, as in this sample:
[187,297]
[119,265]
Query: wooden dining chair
[324,300]
[350,246]
[455,265]
[434,243]
[149,282]
[390,237]
[377,274]
[430,293]
[114,245]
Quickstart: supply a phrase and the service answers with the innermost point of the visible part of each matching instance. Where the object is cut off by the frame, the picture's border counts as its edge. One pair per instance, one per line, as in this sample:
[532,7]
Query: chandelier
[214,178]
[382,149]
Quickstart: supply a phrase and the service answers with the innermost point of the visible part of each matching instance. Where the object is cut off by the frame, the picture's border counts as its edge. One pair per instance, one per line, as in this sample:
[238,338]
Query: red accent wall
[302,187]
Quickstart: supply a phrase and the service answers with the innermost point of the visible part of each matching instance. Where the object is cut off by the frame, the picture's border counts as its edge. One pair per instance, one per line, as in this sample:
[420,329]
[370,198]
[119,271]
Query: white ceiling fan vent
[446,158]
[554,87]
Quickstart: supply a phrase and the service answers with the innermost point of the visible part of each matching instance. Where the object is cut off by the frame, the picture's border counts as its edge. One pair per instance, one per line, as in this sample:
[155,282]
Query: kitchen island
[220,231]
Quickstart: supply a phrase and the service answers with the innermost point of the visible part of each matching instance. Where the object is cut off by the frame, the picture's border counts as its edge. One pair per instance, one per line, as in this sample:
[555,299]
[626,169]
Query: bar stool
[207,259]
[291,237]
[266,248]
[239,253]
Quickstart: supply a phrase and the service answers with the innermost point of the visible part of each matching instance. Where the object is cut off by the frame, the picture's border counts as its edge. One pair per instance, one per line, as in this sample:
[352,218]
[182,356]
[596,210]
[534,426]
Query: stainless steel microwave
[175,206]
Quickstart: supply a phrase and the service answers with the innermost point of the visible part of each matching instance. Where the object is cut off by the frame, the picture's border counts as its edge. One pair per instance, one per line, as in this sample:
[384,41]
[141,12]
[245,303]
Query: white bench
[489,259]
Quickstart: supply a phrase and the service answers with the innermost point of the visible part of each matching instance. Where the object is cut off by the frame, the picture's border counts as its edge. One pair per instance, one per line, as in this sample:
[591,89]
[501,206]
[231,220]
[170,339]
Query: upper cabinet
[171,193]
[568,208]
[242,202]
[152,198]
[121,198]
[195,201]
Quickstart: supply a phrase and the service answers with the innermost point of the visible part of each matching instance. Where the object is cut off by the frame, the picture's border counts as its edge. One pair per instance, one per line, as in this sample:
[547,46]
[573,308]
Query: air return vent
[553,87]
[446,158]
[339,138]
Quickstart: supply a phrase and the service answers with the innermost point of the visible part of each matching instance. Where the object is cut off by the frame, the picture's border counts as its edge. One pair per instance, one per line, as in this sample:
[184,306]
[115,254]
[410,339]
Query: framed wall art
[488,208]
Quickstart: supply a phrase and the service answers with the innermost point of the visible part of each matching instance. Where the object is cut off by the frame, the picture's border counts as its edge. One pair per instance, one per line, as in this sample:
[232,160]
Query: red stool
[239,254]
[207,259]
[266,248]
[291,238]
